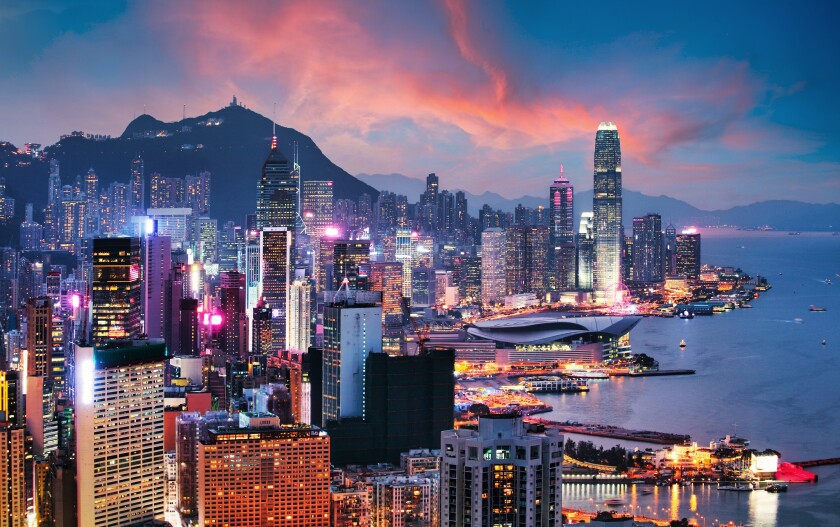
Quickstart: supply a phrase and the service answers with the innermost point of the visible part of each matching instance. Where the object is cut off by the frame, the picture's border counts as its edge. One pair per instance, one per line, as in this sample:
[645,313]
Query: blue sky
[717,103]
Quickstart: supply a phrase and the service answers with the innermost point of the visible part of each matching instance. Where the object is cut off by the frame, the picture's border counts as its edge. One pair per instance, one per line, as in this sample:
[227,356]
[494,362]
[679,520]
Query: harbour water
[762,373]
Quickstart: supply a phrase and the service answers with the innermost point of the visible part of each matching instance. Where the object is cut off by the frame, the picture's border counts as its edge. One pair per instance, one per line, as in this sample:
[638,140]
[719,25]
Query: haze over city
[718,105]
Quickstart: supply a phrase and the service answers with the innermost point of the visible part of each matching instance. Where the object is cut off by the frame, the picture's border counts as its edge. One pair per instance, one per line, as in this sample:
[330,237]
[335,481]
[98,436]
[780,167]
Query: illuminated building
[119,432]
[236,486]
[53,211]
[526,260]
[422,287]
[58,364]
[10,397]
[166,193]
[670,256]
[115,217]
[158,256]
[585,252]
[501,474]
[404,256]
[91,193]
[467,277]
[607,208]
[261,330]
[298,315]
[207,240]
[386,278]
[493,280]
[13,472]
[31,233]
[351,333]
[317,205]
[138,187]
[253,273]
[351,260]
[172,222]
[39,337]
[116,289]
[404,501]
[187,428]
[189,336]
[232,248]
[277,191]
[72,224]
[234,321]
[386,212]
[562,233]
[688,254]
[647,248]
[350,506]
[275,254]
[197,192]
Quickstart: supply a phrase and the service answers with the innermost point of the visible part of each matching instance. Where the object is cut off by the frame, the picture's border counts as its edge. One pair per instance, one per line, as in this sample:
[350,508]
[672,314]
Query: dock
[652,373]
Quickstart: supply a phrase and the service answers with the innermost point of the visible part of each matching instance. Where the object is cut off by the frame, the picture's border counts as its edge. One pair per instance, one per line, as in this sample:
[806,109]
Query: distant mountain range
[783,215]
[231,143]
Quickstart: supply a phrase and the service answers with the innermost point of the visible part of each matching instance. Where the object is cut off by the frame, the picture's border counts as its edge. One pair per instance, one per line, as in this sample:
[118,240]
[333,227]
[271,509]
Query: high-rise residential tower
[493,256]
[158,256]
[501,474]
[607,213]
[275,255]
[688,254]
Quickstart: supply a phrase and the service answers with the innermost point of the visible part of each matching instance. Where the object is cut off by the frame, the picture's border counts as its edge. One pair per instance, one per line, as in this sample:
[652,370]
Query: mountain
[783,215]
[231,143]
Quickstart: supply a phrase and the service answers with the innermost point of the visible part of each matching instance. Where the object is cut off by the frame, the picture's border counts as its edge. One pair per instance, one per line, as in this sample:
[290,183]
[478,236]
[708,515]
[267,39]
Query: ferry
[686,314]
[615,502]
[737,487]
[815,308]
[777,487]
[554,384]
[587,374]
[682,343]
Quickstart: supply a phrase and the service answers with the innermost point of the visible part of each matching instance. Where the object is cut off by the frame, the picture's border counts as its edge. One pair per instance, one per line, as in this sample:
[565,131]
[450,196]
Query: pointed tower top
[274,127]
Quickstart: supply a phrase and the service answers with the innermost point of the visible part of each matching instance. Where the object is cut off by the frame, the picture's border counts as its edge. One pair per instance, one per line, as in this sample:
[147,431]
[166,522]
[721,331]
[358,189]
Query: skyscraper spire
[274,127]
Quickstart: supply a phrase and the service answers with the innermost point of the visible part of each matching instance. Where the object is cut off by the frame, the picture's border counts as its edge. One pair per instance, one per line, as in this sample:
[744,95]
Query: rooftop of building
[543,328]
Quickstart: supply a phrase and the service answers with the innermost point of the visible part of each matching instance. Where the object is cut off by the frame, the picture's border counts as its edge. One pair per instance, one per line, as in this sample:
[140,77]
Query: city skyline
[700,120]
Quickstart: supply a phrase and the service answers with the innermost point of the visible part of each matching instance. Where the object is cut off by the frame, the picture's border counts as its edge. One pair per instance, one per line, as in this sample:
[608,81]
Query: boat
[737,487]
[777,487]
[794,233]
[682,343]
[823,342]
[614,502]
[686,314]
[815,308]
[587,374]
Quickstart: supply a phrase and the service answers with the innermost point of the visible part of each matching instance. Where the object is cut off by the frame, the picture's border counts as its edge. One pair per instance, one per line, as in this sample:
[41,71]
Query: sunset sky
[717,103]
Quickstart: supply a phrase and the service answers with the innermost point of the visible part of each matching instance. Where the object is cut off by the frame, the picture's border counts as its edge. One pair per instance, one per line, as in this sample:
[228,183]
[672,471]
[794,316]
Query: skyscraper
[688,254]
[298,317]
[585,252]
[351,333]
[138,187]
[277,191]
[562,233]
[526,260]
[670,250]
[386,277]
[119,432]
[275,255]
[493,250]
[13,474]
[501,474]
[116,289]
[317,205]
[647,248]
[351,260]
[158,266]
[607,213]
[234,321]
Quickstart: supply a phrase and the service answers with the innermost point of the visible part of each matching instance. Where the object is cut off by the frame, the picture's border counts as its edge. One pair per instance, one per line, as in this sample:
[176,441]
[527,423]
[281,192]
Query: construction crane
[422,334]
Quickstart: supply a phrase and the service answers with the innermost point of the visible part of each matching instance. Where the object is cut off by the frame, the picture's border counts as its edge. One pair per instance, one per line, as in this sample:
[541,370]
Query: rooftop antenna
[184,114]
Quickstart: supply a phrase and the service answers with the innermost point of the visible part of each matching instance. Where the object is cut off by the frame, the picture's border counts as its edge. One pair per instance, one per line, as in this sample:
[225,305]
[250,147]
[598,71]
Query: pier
[818,462]
[615,432]
[653,373]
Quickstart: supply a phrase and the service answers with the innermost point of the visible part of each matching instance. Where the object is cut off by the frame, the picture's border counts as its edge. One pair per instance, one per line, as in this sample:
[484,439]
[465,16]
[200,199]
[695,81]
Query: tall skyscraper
[351,260]
[39,335]
[119,432]
[688,254]
[607,213]
[264,474]
[562,233]
[275,255]
[351,332]
[116,289]
[647,248]
[501,474]
[158,266]
[31,232]
[526,260]
[277,191]
[493,250]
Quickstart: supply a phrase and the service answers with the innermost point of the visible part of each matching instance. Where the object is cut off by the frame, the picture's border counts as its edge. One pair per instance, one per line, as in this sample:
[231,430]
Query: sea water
[762,373]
